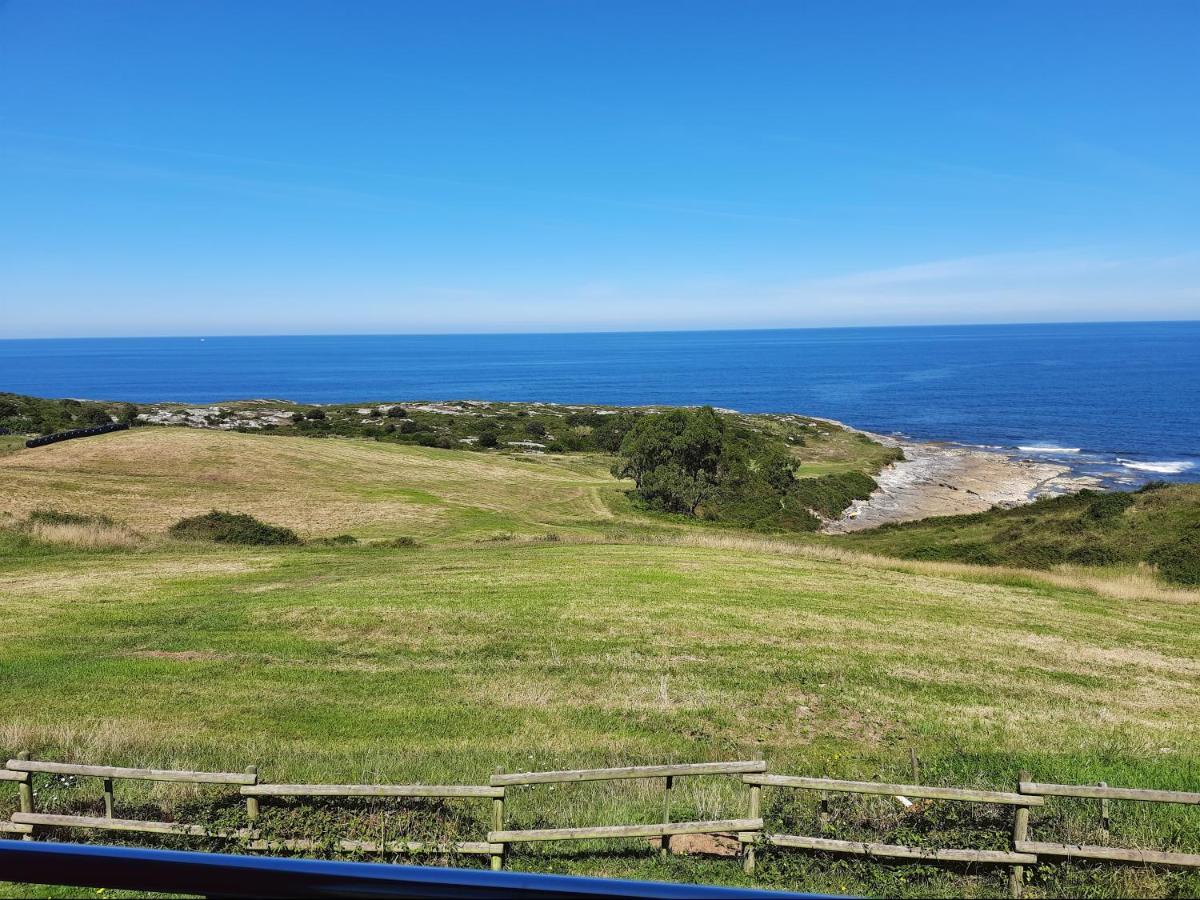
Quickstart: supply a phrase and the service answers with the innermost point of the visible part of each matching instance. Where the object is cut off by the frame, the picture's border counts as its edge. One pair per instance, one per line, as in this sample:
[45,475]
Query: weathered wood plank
[480,848]
[37,765]
[1099,792]
[1020,832]
[372,790]
[919,791]
[624,831]
[106,824]
[896,851]
[1113,854]
[567,775]
[15,828]
[6,775]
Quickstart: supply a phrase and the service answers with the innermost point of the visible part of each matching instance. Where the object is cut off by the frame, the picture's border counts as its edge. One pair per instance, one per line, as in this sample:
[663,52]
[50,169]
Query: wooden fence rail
[662,831]
[671,771]
[25,768]
[490,848]
[1104,794]
[1015,859]
[749,830]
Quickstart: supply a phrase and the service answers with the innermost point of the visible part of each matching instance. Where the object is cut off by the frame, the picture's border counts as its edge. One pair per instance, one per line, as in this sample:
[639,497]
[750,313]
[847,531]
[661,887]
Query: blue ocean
[1117,400]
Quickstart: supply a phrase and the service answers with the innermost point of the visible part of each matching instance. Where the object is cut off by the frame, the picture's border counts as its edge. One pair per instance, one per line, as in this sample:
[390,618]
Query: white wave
[1167,467]
[1048,449]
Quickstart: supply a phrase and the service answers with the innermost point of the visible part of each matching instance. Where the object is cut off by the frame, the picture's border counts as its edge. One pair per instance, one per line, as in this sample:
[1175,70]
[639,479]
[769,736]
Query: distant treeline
[35,415]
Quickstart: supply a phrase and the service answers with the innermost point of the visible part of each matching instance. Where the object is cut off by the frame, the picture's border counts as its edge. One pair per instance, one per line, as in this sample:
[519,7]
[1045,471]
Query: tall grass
[88,536]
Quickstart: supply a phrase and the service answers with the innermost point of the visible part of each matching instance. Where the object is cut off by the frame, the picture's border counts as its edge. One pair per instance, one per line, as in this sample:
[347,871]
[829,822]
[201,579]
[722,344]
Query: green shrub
[231,528]
[1109,506]
[829,495]
[1180,562]
[404,542]
[338,540]
[56,517]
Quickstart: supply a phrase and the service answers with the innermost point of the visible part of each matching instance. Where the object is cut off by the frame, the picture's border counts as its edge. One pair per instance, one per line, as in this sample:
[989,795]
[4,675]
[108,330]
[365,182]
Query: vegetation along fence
[749,830]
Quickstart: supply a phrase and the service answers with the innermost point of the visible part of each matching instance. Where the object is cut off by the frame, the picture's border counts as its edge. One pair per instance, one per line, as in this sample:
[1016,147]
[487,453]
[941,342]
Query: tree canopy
[697,462]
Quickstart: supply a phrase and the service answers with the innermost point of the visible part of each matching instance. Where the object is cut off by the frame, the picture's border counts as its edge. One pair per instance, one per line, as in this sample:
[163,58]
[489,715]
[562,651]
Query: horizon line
[914,325]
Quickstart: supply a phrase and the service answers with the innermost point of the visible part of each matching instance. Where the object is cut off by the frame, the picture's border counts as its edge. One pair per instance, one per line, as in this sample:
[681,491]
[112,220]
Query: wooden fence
[749,830]
[439,791]
[663,830]
[1105,794]
[1013,858]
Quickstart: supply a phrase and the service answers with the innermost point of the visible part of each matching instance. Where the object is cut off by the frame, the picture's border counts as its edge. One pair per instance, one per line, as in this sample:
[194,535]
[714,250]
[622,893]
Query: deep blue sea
[1121,400]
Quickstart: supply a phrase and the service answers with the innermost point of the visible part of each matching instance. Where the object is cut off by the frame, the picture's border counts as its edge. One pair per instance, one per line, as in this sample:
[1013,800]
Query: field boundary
[748,829]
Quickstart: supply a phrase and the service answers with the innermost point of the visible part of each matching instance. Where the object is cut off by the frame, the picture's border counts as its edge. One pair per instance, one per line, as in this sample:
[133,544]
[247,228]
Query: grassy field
[149,478]
[628,640]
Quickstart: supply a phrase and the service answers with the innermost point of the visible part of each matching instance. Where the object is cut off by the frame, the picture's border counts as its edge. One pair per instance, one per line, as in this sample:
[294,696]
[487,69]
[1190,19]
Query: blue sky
[221,167]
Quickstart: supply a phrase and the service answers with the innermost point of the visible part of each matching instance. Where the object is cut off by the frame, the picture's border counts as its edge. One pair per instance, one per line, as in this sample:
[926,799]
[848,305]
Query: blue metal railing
[223,875]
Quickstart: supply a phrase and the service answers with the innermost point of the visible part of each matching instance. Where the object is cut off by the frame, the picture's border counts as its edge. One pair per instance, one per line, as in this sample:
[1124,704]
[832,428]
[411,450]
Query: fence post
[823,812]
[1104,823]
[108,798]
[755,812]
[665,844]
[498,824]
[1016,875]
[251,801]
[25,791]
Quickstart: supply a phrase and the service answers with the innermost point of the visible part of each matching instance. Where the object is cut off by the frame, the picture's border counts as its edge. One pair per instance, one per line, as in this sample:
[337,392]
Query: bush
[489,439]
[338,540]
[404,542]
[1109,506]
[397,412]
[829,495]
[231,528]
[55,517]
[1180,562]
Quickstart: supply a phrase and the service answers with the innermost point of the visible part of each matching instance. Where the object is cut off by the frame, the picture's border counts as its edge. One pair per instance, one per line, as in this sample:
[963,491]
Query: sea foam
[1167,467]
[1048,449]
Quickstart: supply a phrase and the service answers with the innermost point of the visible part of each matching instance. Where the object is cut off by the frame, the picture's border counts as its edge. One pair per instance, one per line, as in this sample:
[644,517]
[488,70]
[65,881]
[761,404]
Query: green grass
[1157,525]
[633,639]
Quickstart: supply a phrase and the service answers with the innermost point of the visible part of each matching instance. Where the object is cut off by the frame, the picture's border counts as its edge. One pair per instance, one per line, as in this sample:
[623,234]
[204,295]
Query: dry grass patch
[150,477]
[87,536]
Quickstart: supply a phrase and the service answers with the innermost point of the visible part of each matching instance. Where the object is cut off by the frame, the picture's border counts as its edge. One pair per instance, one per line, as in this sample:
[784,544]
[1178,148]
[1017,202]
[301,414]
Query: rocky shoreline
[936,479]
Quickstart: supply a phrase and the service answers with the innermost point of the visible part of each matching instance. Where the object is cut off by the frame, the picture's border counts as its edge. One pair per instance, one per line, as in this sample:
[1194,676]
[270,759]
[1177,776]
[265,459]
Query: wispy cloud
[1004,266]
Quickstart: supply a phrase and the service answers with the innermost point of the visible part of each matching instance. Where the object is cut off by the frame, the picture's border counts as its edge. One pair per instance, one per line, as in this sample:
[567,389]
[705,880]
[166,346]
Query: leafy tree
[95,416]
[674,458]
[610,431]
[699,463]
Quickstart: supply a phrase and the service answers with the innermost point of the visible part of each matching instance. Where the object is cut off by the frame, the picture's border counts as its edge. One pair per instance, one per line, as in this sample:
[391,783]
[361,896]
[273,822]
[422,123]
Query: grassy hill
[150,477]
[630,639]
[1158,525]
